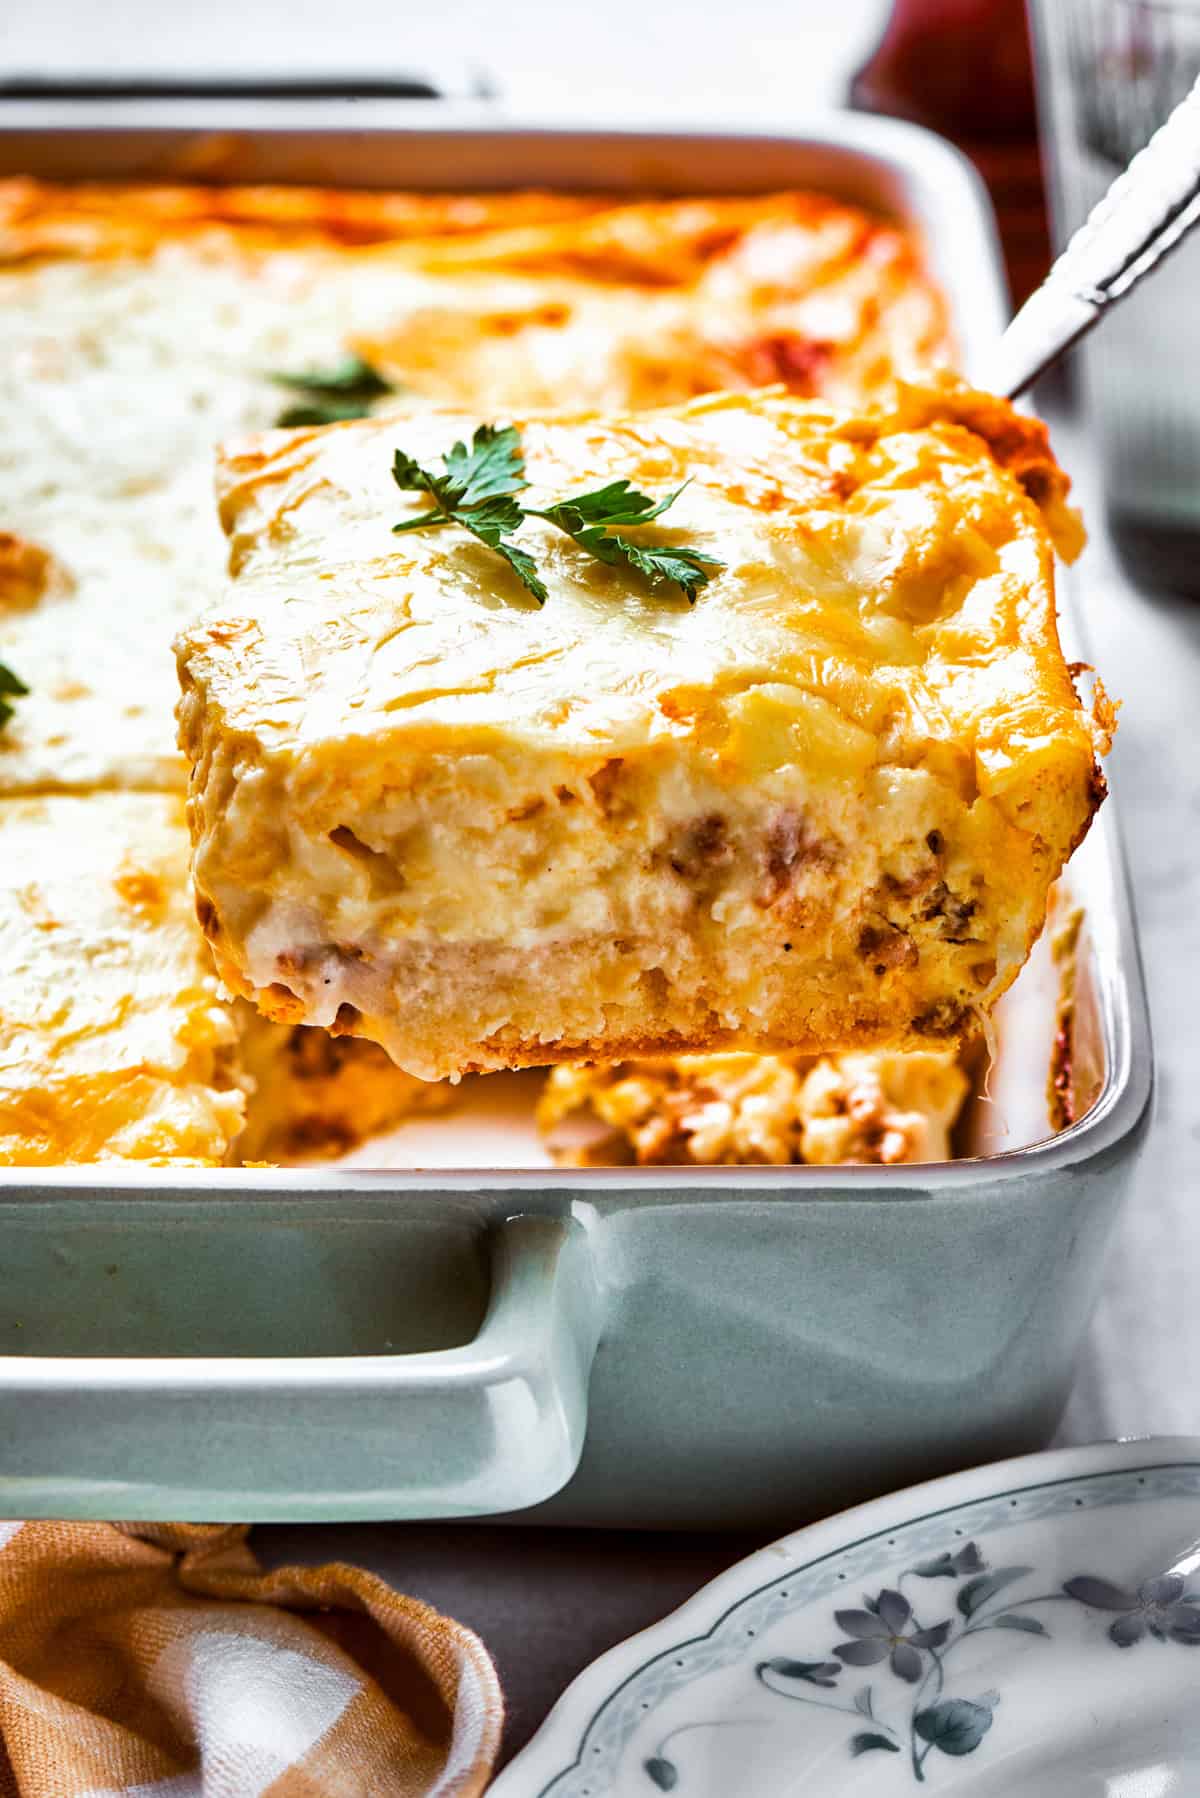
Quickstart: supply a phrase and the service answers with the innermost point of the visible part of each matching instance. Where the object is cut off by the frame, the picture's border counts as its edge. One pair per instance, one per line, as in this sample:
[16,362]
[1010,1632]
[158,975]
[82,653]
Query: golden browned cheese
[821,808]
[114,1041]
[45,220]
[646,304]
[743,1109]
[27,573]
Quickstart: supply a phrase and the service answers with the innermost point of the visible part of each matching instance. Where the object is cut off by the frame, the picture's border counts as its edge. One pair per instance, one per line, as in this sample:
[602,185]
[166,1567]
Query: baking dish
[660,1346]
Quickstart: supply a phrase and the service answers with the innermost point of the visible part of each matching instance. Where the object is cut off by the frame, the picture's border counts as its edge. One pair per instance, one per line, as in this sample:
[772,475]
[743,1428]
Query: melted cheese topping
[893,570]
[114,1042]
[385,731]
[140,325]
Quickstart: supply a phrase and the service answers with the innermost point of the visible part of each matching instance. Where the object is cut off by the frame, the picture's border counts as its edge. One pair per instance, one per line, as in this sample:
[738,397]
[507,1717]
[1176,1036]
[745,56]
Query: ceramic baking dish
[657,1346]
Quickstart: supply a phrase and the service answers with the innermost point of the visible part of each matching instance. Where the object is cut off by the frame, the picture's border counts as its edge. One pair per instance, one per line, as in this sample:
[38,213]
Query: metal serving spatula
[1145,214]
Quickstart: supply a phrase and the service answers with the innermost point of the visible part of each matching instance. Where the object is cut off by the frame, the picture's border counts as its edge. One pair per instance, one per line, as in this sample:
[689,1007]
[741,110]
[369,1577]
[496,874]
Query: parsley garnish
[478,491]
[591,518]
[11,687]
[333,394]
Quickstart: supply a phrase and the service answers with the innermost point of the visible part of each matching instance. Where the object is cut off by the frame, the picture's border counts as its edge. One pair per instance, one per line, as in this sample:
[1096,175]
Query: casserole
[822,803]
[666,1346]
[144,321]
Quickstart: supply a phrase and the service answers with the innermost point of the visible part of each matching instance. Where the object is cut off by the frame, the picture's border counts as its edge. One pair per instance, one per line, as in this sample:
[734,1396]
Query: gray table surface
[548,1602]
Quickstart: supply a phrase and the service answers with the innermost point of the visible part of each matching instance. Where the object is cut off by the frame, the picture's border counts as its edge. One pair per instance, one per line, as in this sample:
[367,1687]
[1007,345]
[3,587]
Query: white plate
[998,1632]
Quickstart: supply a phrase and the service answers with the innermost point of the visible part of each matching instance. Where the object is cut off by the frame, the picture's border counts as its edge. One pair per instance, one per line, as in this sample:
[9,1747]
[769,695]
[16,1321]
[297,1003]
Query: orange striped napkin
[160,1661]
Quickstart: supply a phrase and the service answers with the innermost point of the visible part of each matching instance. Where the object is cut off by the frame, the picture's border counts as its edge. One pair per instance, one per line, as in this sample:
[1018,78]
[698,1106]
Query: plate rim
[555,1747]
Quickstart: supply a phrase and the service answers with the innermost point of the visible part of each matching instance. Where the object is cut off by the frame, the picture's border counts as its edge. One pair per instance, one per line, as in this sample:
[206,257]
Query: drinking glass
[1109,72]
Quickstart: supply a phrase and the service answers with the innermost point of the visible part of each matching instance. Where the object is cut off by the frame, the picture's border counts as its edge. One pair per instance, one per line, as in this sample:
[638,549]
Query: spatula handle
[1145,214]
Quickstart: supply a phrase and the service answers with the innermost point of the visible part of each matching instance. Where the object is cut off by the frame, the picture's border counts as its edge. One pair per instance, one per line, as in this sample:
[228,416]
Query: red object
[964,68]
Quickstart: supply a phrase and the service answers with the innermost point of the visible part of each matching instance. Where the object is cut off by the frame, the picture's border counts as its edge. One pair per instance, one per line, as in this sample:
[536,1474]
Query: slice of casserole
[821,807]
[742,1110]
[114,1043]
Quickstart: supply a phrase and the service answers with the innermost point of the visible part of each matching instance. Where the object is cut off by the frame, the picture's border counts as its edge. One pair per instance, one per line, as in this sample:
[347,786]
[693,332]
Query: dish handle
[519,1391]
[488,1426]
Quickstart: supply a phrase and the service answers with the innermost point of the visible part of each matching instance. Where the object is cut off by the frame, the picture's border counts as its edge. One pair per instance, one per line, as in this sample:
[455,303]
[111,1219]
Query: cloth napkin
[161,1661]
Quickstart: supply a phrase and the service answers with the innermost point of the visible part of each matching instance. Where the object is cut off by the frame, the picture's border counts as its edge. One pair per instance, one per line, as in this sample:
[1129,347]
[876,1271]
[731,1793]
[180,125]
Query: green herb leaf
[494,464]
[690,569]
[352,376]
[344,390]
[616,504]
[476,491]
[493,467]
[491,522]
[333,414]
[592,518]
[11,687]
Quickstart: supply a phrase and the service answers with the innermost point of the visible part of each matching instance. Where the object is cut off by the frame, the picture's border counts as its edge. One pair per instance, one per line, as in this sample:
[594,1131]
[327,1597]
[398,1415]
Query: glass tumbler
[1109,72]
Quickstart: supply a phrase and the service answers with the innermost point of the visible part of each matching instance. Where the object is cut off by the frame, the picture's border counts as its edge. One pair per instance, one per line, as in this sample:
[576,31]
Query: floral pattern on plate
[899,1652]
[886,1631]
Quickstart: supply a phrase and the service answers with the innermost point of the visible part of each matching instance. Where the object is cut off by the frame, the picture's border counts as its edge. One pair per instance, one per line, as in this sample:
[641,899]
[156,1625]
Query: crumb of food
[1060,1089]
[751,1109]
